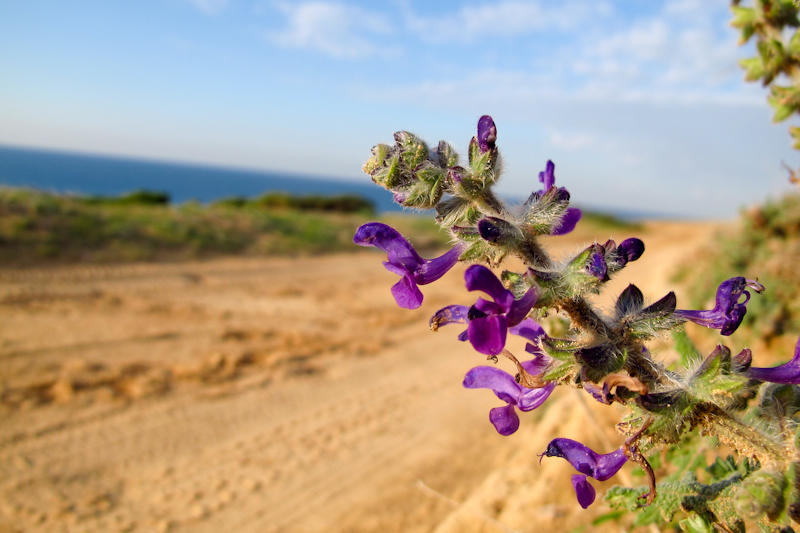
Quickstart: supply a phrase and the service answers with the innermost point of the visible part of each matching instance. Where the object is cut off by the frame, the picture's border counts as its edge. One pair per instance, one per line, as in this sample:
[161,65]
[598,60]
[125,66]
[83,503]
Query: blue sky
[640,104]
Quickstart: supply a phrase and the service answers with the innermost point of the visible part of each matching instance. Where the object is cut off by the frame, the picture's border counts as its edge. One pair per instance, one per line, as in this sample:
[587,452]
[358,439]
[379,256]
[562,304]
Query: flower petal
[480,278]
[530,399]
[528,329]
[787,373]
[487,133]
[452,314]
[520,308]
[505,419]
[571,217]
[406,293]
[488,334]
[434,269]
[583,490]
[630,250]
[389,240]
[488,377]
[585,460]
[547,177]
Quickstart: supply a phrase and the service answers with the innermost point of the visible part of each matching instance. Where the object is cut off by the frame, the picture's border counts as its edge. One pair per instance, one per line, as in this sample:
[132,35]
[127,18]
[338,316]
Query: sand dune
[272,395]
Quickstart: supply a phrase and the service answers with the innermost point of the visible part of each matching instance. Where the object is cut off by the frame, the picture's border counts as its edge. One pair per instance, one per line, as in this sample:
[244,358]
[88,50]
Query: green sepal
[380,152]
[481,251]
[453,211]
[448,157]
[715,381]
[389,175]
[560,371]
[653,319]
[413,150]
[543,213]
[482,168]
[422,194]
[577,279]
[465,233]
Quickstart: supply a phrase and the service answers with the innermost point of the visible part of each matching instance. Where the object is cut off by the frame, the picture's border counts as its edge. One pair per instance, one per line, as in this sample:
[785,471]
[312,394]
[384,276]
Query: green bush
[36,226]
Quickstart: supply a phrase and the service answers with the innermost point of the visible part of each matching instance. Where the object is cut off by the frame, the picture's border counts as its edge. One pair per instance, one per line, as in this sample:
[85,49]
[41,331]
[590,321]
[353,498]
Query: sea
[86,174]
[65,172]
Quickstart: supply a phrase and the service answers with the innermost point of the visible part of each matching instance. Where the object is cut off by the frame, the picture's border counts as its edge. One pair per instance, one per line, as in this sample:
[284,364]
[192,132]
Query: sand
[276,395]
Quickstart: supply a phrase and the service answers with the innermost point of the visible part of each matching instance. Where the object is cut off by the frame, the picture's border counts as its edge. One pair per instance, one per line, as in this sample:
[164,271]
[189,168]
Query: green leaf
[613,515]
[753,67]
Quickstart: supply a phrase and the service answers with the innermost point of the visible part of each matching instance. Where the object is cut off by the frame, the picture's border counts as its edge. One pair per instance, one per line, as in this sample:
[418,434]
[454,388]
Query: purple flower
[487,133]
[505,419]
[630,250]
[787,373]
[572,215]
[588,462]
[728,312]
[489,321]
[405,262]
[597,265]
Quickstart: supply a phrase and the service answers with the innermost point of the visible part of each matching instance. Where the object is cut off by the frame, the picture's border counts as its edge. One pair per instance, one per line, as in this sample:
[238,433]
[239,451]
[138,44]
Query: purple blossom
[505,419]
[588,462]
[405,262]
[488,321]
[630,250]
[728,312]
[487,133]
[572,215]
[597,265]
[787,373]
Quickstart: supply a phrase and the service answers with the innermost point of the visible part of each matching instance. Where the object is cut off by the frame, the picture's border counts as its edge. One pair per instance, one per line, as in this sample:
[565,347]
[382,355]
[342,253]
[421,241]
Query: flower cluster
[603,353]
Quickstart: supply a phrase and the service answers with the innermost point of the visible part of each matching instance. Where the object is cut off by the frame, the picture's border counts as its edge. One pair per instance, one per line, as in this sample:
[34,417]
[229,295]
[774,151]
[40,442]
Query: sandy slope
[271,395]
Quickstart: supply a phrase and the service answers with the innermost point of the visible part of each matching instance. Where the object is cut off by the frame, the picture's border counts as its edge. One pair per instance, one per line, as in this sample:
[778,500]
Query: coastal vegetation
[44,227]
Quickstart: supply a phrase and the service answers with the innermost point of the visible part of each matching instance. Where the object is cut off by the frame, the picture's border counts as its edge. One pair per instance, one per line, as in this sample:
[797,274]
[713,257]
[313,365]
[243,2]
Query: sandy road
[264,395]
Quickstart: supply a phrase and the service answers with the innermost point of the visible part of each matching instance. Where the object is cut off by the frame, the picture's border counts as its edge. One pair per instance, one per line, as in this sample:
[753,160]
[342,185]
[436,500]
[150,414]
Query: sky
[640,104]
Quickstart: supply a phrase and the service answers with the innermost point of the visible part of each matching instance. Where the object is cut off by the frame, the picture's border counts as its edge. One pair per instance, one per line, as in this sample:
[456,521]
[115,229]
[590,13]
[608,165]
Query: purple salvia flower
[597,264]
[568,222]
[588,462]
[583,490]
[488,321]
[405,262]
[547,177]
[728,312]
[786,374]
[505,419]
[572,215]
[487,133]
[630,250]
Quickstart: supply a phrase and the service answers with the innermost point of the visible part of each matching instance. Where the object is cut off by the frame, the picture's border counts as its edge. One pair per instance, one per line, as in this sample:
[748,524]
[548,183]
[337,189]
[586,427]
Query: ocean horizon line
[84,173]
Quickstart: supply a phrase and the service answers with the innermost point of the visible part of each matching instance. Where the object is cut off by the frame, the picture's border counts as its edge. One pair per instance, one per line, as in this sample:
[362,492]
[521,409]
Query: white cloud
[210,7]
[507,18]
[335,29]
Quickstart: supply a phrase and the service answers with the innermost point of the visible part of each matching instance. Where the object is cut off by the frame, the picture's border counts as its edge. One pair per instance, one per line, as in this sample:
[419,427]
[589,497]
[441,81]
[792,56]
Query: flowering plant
[747,408]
